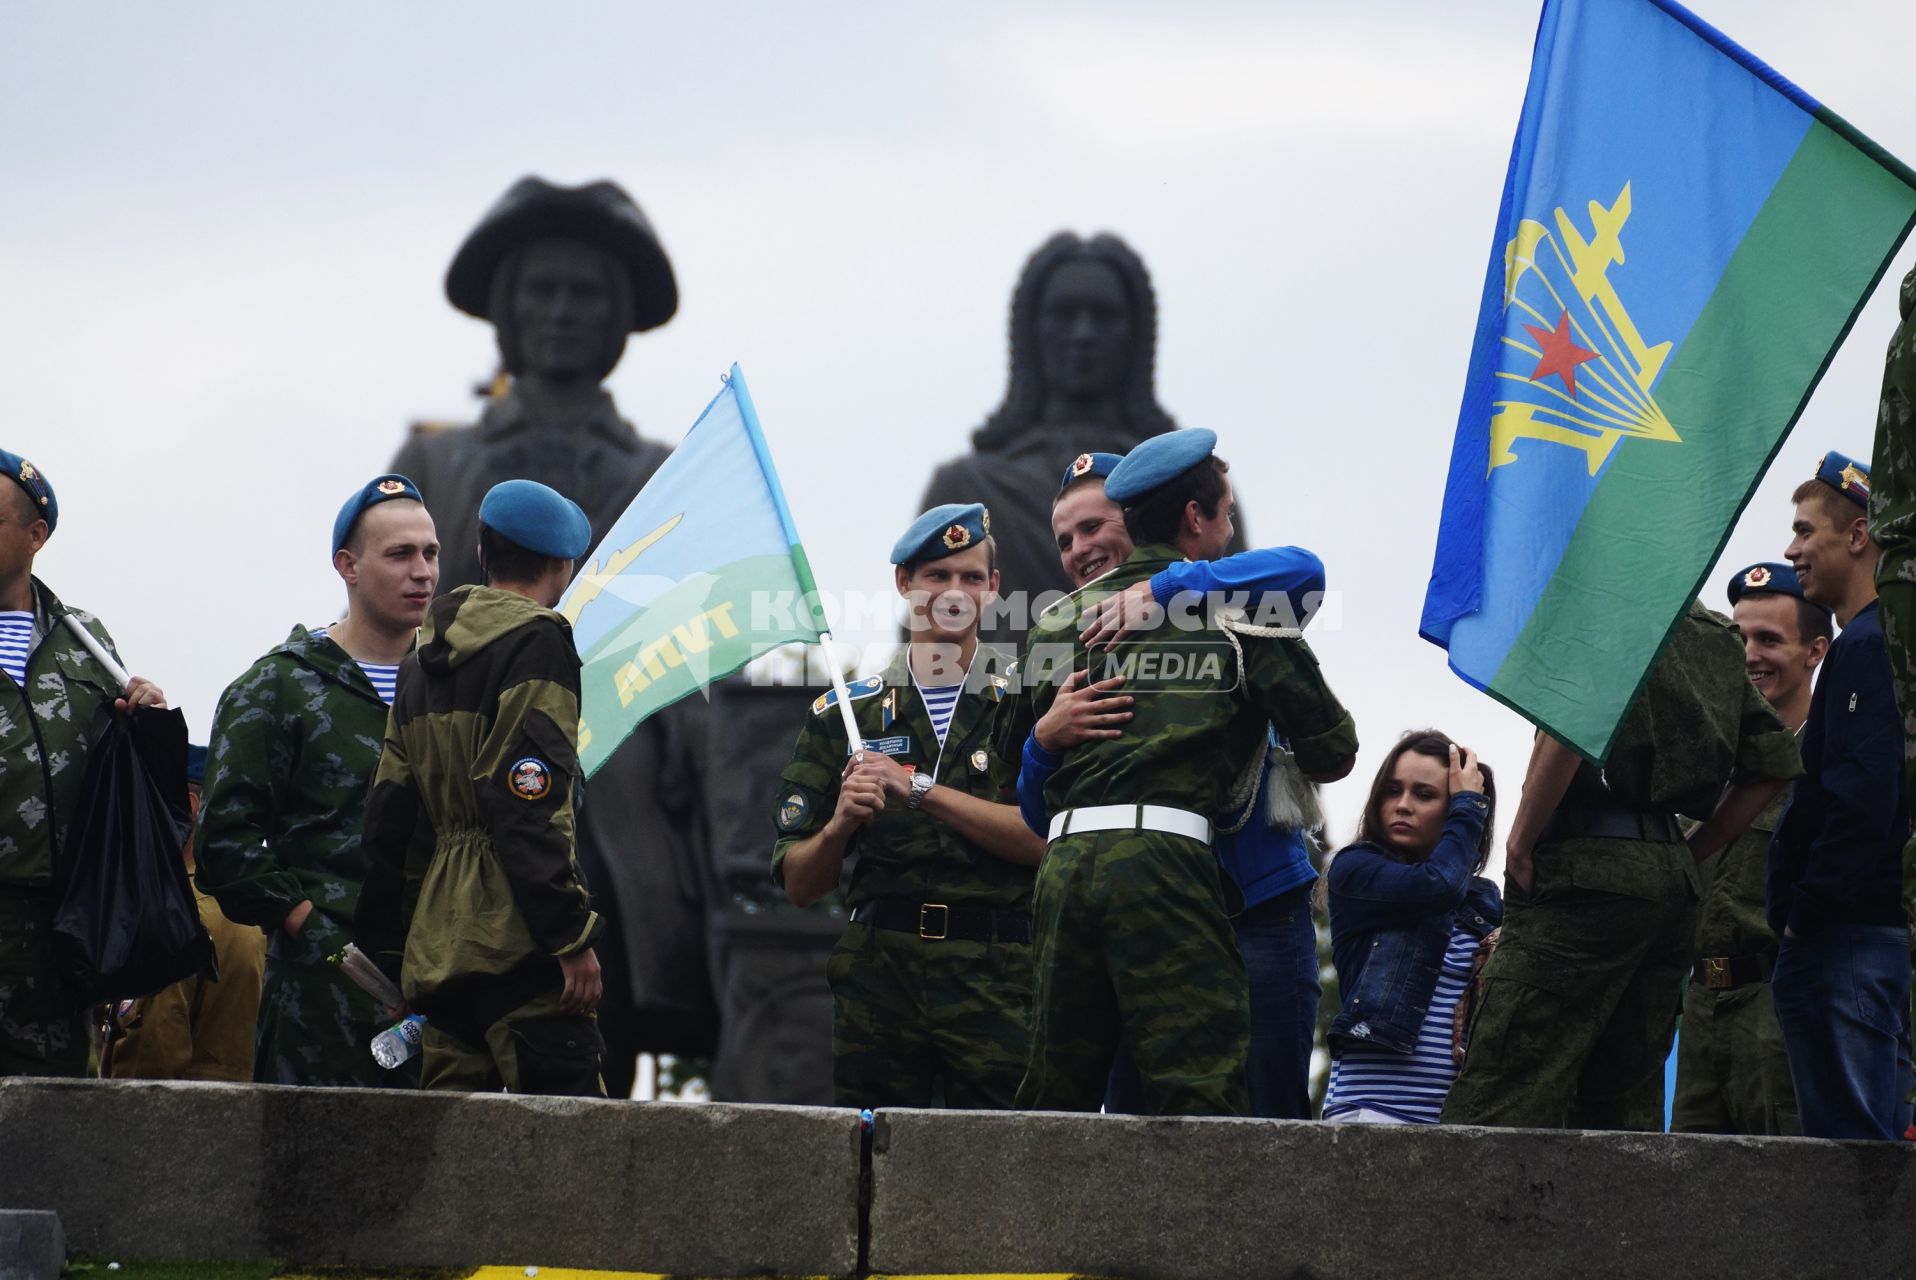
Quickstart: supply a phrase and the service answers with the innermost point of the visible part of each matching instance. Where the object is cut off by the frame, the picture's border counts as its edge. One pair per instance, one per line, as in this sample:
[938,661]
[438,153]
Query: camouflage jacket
[294,745]
[472,880]
[1695,725]
[45,730]
[1892,476]
[1733,922]
[1200,710]
[904,852]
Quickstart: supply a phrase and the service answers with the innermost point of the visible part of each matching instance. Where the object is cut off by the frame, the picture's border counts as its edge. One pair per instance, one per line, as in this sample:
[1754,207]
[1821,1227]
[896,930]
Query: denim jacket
[1391,923]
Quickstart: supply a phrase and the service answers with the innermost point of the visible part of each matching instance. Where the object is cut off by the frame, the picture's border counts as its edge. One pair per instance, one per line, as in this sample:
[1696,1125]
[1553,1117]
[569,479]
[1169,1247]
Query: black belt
[1610,824]
[939,922]
[1726,973]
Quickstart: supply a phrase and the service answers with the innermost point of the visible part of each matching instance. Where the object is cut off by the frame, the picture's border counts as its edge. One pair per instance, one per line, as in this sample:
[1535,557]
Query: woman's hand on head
[1464,773]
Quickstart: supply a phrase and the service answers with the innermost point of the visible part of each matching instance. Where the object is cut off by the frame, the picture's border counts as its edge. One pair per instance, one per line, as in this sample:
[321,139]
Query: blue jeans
[1842,1000]
[1279,944]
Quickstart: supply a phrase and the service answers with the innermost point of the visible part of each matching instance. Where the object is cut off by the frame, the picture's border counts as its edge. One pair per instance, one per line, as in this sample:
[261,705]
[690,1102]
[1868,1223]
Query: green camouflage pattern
[1581,994]
[920,1023]
[40,1032]
[903,853]
[1696,723]
[1130,930]
[1132,942]
[916,1022]
[294,745]
[473,886]
[1732,1073]
[1892,523]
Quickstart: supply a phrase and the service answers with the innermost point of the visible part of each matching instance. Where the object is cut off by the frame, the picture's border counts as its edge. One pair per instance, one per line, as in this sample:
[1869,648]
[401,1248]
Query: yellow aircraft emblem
[592,582]
[1589,387]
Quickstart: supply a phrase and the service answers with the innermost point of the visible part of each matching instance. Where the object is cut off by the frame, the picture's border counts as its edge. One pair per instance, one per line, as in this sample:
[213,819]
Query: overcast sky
[226,227]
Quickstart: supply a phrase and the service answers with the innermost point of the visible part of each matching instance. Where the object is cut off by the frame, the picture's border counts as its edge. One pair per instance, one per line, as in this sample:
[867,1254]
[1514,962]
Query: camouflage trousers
[535,1049]
[316,1025]
[1732,1073]
[917,1022]
[1131,941]
[1581,995]
[1896,595]
[41,1032]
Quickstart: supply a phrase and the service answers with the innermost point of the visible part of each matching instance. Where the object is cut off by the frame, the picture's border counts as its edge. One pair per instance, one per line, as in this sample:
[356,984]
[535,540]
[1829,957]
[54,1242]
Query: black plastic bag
[127,923]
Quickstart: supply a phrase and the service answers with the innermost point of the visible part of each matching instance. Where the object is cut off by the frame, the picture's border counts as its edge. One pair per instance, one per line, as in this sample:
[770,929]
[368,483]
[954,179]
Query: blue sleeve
[1860,784]
[1262,573]
[1034,770]
[1376,892]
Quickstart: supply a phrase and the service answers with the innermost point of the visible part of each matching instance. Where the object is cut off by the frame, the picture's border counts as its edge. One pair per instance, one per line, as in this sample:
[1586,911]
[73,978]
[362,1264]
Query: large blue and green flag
[703,573]
[1685,237]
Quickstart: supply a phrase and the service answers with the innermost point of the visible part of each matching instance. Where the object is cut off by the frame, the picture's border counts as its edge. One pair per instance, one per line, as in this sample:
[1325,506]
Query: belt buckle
[1716,973]
[944,922]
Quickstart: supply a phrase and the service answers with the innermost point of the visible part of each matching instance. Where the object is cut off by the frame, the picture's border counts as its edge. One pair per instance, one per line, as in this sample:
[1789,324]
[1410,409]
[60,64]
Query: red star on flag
[1561,354]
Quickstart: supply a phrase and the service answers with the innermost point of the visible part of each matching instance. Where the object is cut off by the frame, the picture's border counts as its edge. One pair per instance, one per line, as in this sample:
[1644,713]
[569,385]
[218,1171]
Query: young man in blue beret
[1732,1073]
[50,698]
[294,745]
[1132,935]
[1263,842]
[474,899]
[1842,979]
[931,981]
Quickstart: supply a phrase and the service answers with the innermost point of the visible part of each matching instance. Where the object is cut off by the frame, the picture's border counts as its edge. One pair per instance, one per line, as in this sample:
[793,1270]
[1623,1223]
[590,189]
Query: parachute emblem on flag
[1586,381]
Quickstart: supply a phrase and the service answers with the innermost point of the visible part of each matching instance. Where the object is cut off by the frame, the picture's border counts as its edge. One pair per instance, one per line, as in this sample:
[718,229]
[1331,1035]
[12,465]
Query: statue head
[1083,345]
[563,274]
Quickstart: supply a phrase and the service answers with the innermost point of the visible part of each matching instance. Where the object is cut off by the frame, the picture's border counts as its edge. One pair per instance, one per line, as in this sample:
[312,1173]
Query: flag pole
[801,565]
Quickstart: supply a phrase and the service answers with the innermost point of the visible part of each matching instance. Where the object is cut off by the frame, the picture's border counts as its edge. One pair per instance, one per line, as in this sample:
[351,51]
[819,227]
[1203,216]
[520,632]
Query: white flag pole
[844,695]
[98,650]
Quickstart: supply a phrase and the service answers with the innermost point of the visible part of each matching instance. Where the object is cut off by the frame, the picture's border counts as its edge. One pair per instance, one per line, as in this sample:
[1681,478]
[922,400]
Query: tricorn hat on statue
[600,213]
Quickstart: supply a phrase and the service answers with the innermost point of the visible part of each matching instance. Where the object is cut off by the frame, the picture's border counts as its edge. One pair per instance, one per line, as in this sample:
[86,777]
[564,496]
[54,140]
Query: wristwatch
[920,784]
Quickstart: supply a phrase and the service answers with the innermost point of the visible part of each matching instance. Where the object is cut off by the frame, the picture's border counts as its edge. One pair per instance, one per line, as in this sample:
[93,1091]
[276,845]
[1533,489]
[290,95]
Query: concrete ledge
[384,1177]
[1221,1199]
[32,1246]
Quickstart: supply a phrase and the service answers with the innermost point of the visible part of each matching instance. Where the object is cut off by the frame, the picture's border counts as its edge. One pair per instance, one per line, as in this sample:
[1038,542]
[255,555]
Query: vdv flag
[1684,239]
[703,573]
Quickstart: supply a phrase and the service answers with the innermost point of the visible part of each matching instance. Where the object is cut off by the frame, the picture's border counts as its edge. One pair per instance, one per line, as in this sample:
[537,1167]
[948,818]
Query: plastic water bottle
[399,1042]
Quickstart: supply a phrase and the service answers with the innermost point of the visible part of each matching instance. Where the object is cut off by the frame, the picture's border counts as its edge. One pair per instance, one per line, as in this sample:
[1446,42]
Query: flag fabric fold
[1684,239]
[703,573]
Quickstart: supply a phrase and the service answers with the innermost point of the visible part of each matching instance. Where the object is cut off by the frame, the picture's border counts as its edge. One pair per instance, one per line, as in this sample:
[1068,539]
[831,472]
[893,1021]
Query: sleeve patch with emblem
[529,778]
[792,811]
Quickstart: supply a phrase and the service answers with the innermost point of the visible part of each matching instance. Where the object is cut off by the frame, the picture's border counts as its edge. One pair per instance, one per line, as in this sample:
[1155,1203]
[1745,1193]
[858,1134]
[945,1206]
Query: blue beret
[375,491]
[536,517]
[943,531]
[1089,464]
[1158,460]
[1766,578]
[28,477]
[1845,475]
[195,763]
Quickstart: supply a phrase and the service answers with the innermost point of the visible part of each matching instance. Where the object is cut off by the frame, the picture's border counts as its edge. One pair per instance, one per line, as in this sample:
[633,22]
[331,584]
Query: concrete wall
[1232,1198]
[321,1175]
[335,1175]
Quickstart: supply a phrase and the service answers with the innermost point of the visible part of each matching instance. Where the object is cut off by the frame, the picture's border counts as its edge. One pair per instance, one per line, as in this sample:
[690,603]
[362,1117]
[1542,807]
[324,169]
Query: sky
[227,224]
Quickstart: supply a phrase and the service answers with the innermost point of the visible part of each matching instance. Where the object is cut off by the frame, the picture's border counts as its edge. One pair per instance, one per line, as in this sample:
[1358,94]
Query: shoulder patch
[793,810]
[858,689]
[529,778]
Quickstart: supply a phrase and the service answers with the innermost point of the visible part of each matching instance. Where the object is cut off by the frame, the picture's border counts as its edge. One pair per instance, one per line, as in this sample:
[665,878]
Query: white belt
[1132,817]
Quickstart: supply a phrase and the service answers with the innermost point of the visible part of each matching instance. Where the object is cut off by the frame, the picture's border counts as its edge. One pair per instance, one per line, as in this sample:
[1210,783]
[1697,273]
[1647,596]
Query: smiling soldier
[932,978]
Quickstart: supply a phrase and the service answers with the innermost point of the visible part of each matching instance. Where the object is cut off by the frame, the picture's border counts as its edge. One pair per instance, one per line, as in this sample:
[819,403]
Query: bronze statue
[564,275]
[1083,355]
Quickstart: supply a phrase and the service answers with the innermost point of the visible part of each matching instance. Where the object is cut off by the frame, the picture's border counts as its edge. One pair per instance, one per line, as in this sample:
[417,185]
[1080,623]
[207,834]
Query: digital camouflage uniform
[473,888]
[916,1019]
[1581,994]
[45,730]
[1130,929]
[1892,523]
[294,745]
[1732,1074]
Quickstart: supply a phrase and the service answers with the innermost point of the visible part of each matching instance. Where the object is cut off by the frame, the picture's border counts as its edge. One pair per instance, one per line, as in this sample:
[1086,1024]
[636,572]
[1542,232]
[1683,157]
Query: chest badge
[529,778]
[979,760]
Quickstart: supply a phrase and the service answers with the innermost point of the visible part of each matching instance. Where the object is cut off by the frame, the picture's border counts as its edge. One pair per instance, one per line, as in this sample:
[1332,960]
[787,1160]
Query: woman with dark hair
[1409,920]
